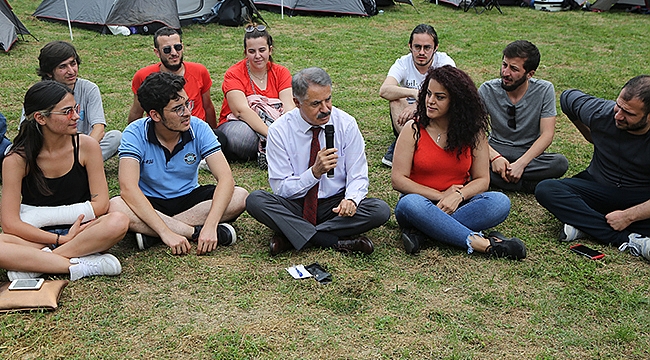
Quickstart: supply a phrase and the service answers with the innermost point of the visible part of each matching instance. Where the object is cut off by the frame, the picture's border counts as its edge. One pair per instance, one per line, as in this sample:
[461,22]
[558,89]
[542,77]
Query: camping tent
[190,9]
[143,16]
[10,27]
[321,7]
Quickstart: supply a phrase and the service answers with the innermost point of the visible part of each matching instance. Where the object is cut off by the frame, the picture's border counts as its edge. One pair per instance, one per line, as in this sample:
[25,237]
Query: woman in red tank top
[441,168]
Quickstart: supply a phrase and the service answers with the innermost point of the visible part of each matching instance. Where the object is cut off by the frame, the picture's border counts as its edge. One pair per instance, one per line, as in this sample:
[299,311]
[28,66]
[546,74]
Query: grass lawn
[239,303]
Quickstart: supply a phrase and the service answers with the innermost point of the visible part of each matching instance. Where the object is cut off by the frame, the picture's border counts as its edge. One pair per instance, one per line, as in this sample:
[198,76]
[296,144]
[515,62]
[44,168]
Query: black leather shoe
[361,244]
[412,240]
[279,244]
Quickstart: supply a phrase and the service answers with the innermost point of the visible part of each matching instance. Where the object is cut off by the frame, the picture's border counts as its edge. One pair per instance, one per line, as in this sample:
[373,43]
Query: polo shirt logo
[190,158]
[148,161]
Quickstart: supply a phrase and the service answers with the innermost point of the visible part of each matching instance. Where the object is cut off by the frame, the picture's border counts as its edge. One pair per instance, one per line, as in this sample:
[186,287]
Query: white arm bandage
[40,216]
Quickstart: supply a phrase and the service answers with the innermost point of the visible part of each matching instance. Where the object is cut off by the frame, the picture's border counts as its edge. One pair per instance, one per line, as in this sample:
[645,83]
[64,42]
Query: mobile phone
[587,251]
[26,284]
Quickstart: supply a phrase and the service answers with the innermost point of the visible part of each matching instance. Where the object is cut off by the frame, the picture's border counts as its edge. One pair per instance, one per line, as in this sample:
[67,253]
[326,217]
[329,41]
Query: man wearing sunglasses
[168,46]
[59,61]
[610,200]
[159,161]
[403,81]
[522,119]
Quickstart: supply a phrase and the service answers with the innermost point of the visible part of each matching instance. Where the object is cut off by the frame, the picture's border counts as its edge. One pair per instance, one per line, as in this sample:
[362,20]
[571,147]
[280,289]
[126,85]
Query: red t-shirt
[237,78]
[436,168]
[197,82]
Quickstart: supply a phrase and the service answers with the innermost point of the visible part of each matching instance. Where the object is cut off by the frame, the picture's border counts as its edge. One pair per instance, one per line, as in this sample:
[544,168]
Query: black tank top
[68,189]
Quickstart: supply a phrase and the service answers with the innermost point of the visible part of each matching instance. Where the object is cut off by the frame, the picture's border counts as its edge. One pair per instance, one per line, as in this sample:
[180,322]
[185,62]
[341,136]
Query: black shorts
[177,205]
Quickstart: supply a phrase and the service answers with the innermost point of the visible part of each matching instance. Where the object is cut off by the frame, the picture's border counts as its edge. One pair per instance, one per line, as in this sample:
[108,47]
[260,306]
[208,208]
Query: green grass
[239,303]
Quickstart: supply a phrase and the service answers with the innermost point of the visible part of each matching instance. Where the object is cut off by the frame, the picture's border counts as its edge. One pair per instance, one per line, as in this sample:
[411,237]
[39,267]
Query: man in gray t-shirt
[522,118]
[59,61]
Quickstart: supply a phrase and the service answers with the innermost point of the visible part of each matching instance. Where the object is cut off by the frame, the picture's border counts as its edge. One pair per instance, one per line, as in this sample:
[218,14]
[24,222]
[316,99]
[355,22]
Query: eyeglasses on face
[180,109]
[251,28]
[168,49]
[426,48]
[511,112]
[68,111]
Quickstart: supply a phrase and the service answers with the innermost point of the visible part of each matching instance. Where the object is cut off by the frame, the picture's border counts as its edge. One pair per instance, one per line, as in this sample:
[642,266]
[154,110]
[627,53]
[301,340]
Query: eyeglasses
[168,49]
[426,48]
[180,109]
[251,28]
[69,111]
[511,112]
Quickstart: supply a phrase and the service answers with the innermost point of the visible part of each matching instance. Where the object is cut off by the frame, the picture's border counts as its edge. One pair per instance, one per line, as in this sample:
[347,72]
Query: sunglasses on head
[168,49]
[251,28]
[511,112]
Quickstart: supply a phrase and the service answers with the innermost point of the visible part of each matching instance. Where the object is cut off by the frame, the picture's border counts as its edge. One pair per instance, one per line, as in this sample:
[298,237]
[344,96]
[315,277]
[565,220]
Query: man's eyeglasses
[251,28]
[180,109]
[69,111]
[426,48]
[511,112]
[168,49]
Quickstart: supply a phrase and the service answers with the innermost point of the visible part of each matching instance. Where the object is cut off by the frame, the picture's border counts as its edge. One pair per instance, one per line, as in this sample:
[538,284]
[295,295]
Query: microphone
[329,143]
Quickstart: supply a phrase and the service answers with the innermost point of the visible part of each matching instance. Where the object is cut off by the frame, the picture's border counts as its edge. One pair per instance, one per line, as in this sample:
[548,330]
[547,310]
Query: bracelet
[461,194]
[57,240]
[494,158]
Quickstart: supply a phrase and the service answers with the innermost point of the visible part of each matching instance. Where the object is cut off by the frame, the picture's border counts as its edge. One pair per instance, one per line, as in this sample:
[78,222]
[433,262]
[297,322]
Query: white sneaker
[638,244]
[13,275]
[95,264]
[203,165]
[569,233]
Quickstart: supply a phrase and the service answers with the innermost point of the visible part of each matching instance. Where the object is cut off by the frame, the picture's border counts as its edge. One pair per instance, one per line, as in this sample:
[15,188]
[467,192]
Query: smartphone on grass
[587,251]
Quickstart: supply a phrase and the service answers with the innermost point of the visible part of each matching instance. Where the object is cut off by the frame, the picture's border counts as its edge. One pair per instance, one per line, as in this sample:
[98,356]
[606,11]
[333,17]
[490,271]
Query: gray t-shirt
[91,108]
[537,103]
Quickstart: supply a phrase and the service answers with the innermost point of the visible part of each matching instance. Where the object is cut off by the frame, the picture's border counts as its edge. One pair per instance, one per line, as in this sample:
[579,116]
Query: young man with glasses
[403,80]
[522,118]
[59,61]
[159,161]
[168,46]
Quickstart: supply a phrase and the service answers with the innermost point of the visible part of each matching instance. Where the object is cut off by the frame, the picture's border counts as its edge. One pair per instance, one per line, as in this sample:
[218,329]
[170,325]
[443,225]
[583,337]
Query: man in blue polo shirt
[158,174]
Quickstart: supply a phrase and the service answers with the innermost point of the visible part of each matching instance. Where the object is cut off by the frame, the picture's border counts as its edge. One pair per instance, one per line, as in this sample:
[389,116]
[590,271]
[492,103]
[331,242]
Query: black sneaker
[411,239]
[226,234]
[261,161]
[388,158]
[501,246]
[144,241]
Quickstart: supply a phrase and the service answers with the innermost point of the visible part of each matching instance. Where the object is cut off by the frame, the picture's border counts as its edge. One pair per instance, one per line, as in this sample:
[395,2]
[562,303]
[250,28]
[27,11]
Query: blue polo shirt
[165,174]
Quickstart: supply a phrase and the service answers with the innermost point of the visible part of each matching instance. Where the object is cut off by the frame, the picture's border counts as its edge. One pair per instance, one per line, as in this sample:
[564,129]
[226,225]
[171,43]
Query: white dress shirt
[288,148]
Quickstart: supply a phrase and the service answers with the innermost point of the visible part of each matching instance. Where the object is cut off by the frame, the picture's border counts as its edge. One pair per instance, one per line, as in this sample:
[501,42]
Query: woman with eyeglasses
[257,91]
[55,195]
[441,168]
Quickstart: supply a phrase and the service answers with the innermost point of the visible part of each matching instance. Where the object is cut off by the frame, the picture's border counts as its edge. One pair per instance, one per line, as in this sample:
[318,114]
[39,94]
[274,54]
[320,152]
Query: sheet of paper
[298,272]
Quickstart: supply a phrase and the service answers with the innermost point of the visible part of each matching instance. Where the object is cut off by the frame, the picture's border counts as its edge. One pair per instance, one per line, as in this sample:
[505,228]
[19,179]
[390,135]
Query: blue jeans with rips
[481,212]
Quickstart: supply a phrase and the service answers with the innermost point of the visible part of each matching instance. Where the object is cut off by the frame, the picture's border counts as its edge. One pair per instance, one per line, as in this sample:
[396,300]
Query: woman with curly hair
[441,168]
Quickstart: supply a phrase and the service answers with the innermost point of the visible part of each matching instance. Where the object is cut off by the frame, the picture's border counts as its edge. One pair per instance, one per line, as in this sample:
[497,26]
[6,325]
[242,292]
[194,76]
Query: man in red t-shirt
[168,46]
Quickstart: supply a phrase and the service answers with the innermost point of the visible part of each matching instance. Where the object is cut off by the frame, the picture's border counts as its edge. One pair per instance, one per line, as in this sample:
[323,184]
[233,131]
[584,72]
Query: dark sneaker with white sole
[226,234]
[145,241]
[388,158]
[503,247]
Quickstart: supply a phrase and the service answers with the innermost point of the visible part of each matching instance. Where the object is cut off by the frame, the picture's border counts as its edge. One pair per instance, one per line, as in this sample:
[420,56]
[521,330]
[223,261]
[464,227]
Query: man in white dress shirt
[341,210]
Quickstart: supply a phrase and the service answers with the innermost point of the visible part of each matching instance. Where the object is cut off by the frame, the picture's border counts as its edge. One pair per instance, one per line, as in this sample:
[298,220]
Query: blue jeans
[481,212]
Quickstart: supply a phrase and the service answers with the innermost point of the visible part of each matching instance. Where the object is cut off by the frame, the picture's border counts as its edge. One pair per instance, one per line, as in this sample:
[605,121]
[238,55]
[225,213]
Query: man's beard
[514,85]
[171,67]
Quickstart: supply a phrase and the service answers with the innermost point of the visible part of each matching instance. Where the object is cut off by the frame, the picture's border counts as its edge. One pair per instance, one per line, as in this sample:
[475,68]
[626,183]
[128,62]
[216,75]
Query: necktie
[310,206]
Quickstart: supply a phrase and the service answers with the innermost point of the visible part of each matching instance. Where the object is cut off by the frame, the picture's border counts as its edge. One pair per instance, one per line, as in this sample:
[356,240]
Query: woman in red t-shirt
[258,82]
[441,166]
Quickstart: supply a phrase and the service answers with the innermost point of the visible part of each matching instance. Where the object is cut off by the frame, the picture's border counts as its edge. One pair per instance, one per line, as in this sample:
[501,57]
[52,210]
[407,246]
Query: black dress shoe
[361,244]
[279,244]
[501,246]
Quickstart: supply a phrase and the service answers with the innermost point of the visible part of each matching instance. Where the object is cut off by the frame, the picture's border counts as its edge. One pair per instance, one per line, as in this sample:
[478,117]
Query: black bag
[232,13]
